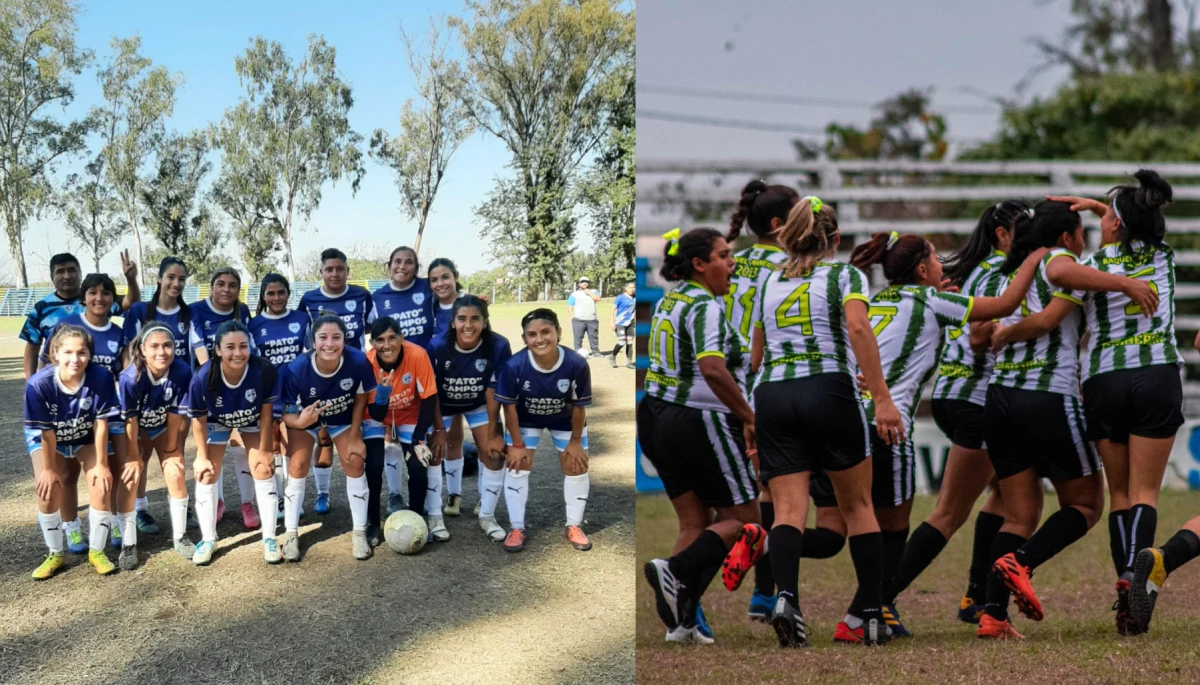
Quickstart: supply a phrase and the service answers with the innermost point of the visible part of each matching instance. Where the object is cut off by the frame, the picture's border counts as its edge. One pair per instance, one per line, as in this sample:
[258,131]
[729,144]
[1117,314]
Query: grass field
[1076,643]
[459,612]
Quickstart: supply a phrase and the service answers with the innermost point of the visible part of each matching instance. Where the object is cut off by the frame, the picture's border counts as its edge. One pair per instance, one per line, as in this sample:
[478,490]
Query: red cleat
[1015,576]
[747,550]
[847,635]
[992,629]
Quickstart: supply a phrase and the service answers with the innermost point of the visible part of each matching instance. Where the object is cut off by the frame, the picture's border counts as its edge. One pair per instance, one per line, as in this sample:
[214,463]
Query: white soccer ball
[405,532]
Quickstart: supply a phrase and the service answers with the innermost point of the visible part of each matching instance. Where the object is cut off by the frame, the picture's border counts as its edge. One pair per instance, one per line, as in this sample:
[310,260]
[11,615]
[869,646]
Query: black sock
[1117,536]
[923,547]
[822,543]
[764,580]
[706,577]
[616,350]
[785,543]
[1143,521]
[704,552]
[1180,549]
[997,593]
[1064,527]
[629,352]
[866,551]
[986,527]
[893,552]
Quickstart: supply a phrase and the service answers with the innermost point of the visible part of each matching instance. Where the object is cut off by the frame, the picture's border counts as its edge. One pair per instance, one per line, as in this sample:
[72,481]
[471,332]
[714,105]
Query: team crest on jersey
[167,393]
[406,378]
[351,305]
[563,384]
[418,298]
[85,404]
[480,365]
[250,395]
[112,346]
[293,327]
[346,383]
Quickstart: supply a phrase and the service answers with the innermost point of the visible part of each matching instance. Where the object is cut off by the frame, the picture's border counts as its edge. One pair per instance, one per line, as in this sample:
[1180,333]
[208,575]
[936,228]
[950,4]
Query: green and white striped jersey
[909,322]
[962,373]
[1120,336]
[1049,363]
[753,265]
[804,323]
[689,324]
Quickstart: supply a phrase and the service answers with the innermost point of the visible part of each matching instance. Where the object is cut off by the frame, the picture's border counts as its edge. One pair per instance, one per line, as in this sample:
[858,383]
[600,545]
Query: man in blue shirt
[623,325]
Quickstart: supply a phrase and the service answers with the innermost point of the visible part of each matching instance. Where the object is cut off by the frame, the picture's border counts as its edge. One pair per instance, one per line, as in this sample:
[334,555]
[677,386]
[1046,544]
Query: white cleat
[437,529]
[491,528]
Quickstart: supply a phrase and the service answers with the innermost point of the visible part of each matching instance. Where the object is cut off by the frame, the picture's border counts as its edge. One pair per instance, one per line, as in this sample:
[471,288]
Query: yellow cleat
[49,567]
[100,561]
[1149,576]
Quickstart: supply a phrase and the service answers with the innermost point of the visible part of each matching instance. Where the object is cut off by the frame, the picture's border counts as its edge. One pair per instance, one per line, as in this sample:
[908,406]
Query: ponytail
[680,251]
[1140,209]
[809,235]
[759,204]
[900,255]
[1048,222]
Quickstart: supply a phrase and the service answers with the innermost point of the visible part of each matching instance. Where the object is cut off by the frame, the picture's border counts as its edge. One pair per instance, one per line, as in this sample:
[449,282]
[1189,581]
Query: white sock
[293,498]
[356,492]
[246,488]
[141,504]
[393,460]
[178,516]
[852,622]
[280,474]
[74,524]
[322,476]
[516,493]
[575,492]
[490,484]
[433,491]
[52,531]
[268,503]
[453,471]
[206,511]
[99,524]
[128,522]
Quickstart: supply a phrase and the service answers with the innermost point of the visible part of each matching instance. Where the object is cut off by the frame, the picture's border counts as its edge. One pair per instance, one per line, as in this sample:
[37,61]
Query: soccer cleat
[892,618]
[203,553]
[51,565]
[454,506]
[395,503]
[992,629]
[612,361]
[630,365]
[128,559]
[291,547]
[1149,576]
[146,524]
[761,607]
[271,553]
[789,626]
[359,544]
[489,526]
[185,548]
[437,529]
[100,561]
[667,593]
[1016,577]
[876,632]
[844,634]
[515,542]
[322,505]
[250,517]
[969,611]
[115,535]
[578,540]
[747,550]
[220,510]
[703,630]
[374,535]
[75,542]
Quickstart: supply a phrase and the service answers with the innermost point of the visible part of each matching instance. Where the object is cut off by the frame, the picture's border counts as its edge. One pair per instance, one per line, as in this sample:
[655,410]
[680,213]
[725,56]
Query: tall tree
[39,58]
[291,132]
[92,211]
[1109,36]
[175,214]
[247,202]
[608,192]
[138,98]
[430,131]
[542,73]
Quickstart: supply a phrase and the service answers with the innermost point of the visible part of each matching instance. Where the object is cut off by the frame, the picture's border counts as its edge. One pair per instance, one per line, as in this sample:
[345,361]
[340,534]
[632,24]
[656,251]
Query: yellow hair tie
[672,238]
[893,238]
[815,202]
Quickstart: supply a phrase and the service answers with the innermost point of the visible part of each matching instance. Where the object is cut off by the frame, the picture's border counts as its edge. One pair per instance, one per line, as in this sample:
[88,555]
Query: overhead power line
[797,100]
[750,125]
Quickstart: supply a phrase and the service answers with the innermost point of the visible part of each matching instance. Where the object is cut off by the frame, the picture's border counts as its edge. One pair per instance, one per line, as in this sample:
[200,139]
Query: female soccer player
[959,391]
[623,312]
[1033,420]
[545,387]
[443,281]
[910,320]
[152,388]
[695,426]
[405,404]
[67,409]
[811,331]
[326,387]
[235,390]
[466,358]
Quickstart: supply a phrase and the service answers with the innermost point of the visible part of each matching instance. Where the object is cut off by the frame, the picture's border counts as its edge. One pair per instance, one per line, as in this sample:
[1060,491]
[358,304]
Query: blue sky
[200,40]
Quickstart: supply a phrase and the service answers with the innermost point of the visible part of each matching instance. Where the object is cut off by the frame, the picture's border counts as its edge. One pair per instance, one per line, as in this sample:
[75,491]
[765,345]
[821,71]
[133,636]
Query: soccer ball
[405,532]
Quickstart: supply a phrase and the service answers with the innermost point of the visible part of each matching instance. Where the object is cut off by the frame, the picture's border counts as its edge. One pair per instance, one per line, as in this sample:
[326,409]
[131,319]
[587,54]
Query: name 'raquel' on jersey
[963,373]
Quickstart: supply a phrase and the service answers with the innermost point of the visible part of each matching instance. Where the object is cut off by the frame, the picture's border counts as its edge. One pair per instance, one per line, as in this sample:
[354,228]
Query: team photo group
[777,376]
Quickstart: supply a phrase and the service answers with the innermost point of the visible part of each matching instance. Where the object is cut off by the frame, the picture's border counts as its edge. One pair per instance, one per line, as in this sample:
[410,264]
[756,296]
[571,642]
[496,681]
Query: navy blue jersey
[47,312]
[171,318]
[412,307]
[71,415]
[232,406]
[463,377]
[441,321]
[206,320]
[107,343]
[354,306]
[304,385]
[544,398]
[280,339]
[148,400]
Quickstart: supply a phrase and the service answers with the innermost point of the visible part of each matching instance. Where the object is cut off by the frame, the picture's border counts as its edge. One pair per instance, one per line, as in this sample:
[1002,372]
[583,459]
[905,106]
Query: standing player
[67,409]
[545,387]
[443,280]
[623,325]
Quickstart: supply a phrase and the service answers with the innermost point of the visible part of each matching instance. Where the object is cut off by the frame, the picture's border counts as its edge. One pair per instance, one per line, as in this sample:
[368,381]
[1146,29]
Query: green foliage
[607,192]
[367,262]
[1110,36]
[904,129]
[92,211]
[40,58]
[181,223]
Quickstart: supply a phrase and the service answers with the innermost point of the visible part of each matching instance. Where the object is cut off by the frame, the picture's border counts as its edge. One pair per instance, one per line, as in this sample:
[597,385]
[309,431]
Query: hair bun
[1154,191]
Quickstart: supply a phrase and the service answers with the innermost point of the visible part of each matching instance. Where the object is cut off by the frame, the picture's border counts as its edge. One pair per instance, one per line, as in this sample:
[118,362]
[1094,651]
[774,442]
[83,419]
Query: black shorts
[1146,402]
[626,334]
[820,489]
[696,451]
[961,421]
[809,424]
[893,471]
[1045,431]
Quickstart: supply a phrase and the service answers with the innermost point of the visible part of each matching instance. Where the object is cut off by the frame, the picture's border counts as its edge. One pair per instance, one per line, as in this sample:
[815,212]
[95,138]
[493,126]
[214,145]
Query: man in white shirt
[582,307]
